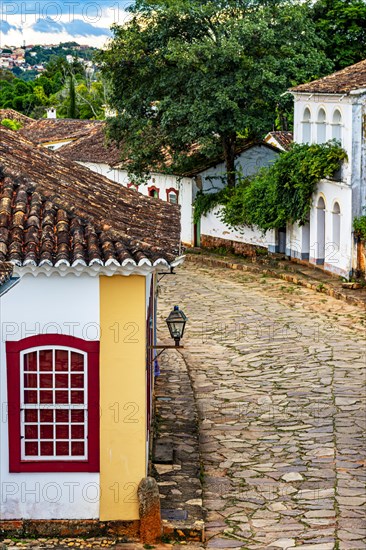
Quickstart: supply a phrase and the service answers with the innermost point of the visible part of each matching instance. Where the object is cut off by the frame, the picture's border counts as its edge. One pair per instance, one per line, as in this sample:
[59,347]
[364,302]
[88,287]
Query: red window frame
[172,190]
[13,353]
[153,188]
[134,185]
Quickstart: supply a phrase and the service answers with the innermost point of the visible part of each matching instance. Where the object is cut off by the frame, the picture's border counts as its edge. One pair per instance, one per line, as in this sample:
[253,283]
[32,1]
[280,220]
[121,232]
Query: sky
[54,21]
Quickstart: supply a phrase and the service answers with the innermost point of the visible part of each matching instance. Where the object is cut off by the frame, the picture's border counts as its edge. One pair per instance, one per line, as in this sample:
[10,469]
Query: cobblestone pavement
[176,462]
[278,373]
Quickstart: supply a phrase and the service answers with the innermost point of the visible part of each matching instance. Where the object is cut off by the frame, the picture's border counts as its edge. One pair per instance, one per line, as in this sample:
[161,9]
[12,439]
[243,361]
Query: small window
[53,386]
[153,192]
[172,195]
[306,126]
[133,186]
[337,126]
[321,133]
[321,203]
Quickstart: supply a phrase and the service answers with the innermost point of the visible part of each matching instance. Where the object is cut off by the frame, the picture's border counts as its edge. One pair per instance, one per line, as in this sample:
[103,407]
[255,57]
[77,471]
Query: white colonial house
[331,108]
[79,263]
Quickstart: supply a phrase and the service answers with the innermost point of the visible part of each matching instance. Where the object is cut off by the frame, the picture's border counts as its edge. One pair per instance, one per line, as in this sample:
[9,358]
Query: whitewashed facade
[327,239]
[31,495]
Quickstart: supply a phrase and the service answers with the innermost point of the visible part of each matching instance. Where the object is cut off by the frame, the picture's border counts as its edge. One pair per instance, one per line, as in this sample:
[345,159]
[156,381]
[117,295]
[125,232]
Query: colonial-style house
[77,332]
[333,107]
[92,151]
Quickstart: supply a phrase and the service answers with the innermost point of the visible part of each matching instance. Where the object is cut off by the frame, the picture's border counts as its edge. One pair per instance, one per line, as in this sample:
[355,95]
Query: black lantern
[176,323]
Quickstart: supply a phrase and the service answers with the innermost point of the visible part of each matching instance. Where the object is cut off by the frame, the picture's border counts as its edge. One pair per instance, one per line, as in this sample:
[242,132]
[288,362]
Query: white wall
[212,225]
[247,163]
[161,182]
[67,305]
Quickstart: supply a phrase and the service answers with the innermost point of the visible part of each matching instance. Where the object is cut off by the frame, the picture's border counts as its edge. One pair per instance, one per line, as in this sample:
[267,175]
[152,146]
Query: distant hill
[42,54]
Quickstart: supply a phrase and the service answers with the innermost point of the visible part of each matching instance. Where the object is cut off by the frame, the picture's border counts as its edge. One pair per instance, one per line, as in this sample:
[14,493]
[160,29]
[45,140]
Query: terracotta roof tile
[14,115]
[54,211]
[57,129]
[284,139]
[6,271]
[341,82]
[92,148]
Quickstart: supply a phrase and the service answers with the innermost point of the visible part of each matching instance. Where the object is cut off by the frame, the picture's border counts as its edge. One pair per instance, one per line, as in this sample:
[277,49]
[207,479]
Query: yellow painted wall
[122,395]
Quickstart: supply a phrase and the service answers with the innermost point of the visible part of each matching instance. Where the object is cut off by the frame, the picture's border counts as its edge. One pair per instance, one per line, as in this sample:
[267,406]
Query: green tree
[199,73]
[342,24]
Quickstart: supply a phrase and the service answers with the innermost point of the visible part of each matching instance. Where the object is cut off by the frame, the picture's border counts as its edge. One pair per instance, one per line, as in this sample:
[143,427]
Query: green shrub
[12,124]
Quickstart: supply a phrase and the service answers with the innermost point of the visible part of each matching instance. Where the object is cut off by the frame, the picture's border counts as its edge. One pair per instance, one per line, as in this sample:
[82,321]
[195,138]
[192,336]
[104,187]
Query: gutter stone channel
[176,457]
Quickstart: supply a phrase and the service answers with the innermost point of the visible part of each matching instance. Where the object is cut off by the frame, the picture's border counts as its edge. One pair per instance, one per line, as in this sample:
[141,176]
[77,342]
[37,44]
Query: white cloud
[89,26]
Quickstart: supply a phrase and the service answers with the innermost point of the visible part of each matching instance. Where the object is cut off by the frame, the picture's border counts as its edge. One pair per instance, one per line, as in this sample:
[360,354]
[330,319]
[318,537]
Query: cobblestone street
[278,373]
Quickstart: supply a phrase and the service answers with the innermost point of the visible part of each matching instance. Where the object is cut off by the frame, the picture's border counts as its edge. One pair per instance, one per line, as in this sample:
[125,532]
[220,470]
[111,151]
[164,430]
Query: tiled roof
[341,82]
[6,271]
[92,148]
[284,139]
[55,212]
[57,129]
[14,115]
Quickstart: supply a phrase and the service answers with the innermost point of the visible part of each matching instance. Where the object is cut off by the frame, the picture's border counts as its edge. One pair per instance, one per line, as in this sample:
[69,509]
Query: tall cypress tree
[72,98]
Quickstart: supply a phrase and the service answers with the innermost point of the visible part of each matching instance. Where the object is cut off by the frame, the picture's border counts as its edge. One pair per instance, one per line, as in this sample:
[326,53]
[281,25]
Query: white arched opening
[306,126]
[337,126]
[336,227]
[321,132]
[305,246]
[320,231]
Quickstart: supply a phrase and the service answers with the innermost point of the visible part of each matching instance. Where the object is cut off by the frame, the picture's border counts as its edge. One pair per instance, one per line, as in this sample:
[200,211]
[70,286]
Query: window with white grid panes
[54,404]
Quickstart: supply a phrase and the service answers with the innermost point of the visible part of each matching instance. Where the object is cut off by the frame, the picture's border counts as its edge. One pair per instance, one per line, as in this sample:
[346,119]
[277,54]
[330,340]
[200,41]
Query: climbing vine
[279,194]
[205,202]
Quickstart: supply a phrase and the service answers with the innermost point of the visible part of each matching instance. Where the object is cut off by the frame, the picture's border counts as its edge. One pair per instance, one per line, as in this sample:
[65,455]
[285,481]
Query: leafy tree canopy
[201,72]
[342,24]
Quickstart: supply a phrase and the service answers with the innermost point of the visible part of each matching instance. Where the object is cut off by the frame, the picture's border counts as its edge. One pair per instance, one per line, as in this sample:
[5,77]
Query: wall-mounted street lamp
[176,322]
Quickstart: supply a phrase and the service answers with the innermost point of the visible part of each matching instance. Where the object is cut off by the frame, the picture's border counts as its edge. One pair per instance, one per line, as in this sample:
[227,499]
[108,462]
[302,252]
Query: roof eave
[312,92]
[127,268]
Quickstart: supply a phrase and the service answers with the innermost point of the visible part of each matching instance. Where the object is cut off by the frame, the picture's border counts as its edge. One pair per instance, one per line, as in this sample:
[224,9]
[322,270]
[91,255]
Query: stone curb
[295,279]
